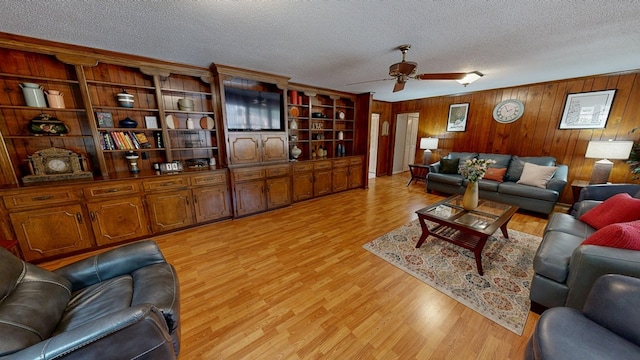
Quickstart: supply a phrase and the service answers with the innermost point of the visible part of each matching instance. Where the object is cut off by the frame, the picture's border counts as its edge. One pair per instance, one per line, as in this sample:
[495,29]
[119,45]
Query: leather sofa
[541,200]
[565,269]
[120,304]
[605,328]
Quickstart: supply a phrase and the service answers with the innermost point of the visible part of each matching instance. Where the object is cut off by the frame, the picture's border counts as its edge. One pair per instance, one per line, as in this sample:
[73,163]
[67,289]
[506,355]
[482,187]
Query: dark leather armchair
[120,304]
[606,328]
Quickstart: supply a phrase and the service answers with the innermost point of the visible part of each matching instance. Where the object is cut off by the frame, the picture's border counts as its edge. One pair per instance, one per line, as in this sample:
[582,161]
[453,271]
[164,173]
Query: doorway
[373,145]
[404,151]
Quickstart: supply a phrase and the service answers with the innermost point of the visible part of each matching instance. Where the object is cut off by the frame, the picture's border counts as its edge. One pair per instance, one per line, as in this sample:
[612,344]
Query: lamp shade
[470,77]
[429,143]
[609,149]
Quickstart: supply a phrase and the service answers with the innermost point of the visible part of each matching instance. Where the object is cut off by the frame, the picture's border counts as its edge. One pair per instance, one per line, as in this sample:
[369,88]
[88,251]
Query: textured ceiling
[332,44]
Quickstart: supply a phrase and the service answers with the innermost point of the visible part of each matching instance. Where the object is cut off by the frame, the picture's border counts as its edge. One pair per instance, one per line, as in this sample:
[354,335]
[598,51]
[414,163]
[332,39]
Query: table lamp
[606,150]
[428,144]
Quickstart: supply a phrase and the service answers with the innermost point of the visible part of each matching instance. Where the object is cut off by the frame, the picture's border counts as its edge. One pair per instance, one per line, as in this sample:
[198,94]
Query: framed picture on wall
[458,117]
[588,110]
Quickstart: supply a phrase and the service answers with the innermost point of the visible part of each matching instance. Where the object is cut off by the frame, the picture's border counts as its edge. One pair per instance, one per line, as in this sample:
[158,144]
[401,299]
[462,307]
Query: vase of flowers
[473,170]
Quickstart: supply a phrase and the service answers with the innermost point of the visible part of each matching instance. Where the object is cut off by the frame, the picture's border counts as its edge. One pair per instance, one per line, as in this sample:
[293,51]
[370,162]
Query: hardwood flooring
[295,283]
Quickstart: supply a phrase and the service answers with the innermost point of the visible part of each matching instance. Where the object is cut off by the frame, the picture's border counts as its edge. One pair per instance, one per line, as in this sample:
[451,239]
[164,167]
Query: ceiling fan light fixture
[470,77]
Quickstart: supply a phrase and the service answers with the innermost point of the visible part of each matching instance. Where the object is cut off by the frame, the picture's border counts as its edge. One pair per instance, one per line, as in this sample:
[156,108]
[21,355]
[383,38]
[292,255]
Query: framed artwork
[151,122]
[105,120]
[458,117]
[588,110]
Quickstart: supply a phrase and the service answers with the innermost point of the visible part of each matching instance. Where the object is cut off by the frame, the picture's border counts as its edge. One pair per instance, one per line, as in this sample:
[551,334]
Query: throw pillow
[495,174]
[622,236]
[536,175]
[515,169]
[617,209]
[449,166]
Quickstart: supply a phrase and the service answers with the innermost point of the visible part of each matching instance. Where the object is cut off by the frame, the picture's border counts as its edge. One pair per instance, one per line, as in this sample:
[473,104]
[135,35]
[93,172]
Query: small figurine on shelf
[133,161]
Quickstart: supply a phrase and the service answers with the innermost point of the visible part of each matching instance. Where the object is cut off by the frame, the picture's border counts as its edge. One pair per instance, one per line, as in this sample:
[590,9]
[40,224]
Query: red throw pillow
[622,236]
[617,209]
[495,174]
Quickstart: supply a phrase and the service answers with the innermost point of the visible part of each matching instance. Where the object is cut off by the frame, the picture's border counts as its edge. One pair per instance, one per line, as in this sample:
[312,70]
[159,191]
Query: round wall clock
[508,111]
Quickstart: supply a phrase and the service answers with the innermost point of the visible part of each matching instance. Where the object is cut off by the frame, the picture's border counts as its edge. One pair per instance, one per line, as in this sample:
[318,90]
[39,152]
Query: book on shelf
[105,120]
[142,140]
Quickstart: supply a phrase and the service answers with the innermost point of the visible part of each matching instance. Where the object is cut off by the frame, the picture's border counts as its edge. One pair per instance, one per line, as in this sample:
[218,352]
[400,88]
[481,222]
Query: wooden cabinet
[51,231]
[211,203]
[355,172]
[259,188]
[302,181]
[118,219]
[340,179]
[170,210]
[322,178]
[255,148]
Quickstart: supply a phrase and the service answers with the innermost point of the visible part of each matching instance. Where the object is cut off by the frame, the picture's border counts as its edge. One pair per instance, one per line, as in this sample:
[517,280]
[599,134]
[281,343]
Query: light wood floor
[295,283]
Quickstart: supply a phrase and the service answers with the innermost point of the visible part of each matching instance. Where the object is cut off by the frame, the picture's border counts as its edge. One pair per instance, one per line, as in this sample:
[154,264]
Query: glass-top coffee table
[468,229]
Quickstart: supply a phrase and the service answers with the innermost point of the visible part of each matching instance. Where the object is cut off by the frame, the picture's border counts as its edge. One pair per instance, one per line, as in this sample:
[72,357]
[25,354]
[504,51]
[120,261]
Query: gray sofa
[121,304]
[541,200]
[565,269]
[606,328]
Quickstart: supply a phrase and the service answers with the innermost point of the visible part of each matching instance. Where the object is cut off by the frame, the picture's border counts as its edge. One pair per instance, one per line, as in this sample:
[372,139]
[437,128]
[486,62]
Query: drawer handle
[167,183]
[114,190]
[43,197]
[93,216]
[195,199]
[79,216]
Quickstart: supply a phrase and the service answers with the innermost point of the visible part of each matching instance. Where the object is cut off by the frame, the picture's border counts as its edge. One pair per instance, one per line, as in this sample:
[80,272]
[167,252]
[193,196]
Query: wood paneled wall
[536,133]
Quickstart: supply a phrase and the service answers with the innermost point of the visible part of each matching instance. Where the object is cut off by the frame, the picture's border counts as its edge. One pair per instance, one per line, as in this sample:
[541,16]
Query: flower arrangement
[474,169]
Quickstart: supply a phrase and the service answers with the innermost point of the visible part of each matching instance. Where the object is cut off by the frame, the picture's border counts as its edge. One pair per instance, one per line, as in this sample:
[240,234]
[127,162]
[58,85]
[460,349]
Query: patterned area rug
[501,295]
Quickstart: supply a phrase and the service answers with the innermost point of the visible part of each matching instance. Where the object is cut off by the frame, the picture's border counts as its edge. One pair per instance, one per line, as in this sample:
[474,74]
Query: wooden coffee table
[468,229]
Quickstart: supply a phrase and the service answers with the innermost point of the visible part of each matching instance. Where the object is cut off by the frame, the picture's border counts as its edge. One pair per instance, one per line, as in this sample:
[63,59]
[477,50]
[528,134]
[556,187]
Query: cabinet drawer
[302,167]
[274,171]
[322,165]
[166,184]
[111,190]
[340,163]
[355,160]
[248,174]
[44,197]
[209,179]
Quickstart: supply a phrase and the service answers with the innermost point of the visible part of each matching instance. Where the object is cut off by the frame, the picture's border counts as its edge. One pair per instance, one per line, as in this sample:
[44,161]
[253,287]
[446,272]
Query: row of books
[124,140]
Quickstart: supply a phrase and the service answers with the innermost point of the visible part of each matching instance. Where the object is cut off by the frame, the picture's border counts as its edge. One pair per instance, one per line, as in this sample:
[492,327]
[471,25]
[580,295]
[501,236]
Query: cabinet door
[211,203]
[321,182]
[302,186]
[355,176]
[170,210]
[118,220]
[52,231]
[278,192]
[274,147]
[250,197]
[340,179]
[244,148]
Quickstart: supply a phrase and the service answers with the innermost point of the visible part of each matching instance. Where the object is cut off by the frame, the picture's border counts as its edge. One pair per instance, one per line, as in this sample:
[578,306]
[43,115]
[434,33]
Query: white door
[373,145]
[404,150]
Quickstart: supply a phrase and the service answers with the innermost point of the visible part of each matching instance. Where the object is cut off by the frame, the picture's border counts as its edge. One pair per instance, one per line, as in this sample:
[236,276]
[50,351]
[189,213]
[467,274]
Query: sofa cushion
[526,191]
[449,166]
[554,253]
[566,223]
[616,209]
[501,160]
[495,174]
[536,175]
[449,179]
[621,235]
[31,309]
[487,185]
[517,165]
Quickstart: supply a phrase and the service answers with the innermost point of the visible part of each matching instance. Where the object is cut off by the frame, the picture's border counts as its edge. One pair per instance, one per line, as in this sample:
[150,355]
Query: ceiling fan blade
[441,76]
[370,81]
[398,86]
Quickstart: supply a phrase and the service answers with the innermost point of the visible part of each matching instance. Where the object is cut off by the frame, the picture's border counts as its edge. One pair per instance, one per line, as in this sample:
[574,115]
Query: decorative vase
[470,198]
[295,151]
[33,94]
[293,125]
[55,99]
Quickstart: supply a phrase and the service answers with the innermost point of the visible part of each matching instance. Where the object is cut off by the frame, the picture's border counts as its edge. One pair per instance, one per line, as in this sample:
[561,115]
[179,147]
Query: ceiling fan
[405,70]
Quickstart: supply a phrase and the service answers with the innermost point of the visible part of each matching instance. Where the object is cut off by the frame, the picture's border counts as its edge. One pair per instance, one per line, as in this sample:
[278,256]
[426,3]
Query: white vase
[470,198]
[295,151]
[293,125]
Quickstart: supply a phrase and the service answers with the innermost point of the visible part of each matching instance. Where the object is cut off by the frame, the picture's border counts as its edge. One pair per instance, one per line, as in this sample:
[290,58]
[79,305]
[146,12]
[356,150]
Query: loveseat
[598,238]
[120,304]
[606,328]
[501,183]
